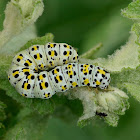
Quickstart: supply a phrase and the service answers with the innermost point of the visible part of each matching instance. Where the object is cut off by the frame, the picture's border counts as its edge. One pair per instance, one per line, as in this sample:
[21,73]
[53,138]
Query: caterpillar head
[102,78]
[105,82]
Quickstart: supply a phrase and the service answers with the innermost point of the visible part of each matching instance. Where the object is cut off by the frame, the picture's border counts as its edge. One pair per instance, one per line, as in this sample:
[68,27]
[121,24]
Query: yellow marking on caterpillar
[42,66]
[36,69]
[75,57]
[86,66]
[68,46]
[26,70]
[98,83]
[25,86]
[29,76]
[66,61]
[46,95]
[68,53]
[85,70]
[43,85]
[74,84]
[86,81]
[16,72]
[55,71]
[69,66]
[52,53]
[41,77]
[20,57]
[35,48]
[23,95]
[51,45]
[58,78]
[70,72]
[64,88]
[38,56]
[27,61]
[101,72]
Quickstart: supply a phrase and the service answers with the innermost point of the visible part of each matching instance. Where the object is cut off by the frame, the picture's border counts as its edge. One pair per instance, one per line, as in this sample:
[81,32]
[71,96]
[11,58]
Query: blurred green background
[83,24]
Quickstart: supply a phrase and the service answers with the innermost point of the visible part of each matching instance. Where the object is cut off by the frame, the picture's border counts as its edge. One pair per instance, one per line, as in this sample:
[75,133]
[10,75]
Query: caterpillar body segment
[59,54]
[43,88]
[60,79]
[24,59]
[37,52]
[26,86]
[16,73]
[44,57]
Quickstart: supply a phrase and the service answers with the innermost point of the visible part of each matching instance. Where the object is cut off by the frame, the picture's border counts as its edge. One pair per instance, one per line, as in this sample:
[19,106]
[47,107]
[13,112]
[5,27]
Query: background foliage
[83,24]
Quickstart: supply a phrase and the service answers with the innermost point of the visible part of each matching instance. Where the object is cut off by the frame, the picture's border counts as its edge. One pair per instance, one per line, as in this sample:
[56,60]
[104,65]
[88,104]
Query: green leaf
[132,11]
[39,40]
[2,117]
[5,62]
[128,79]
[19,15]
[112,119]
[136,30]
[2,112]
[113,103]
[2,7]
[32,126]
[133,89]
[16,42]
[127,75]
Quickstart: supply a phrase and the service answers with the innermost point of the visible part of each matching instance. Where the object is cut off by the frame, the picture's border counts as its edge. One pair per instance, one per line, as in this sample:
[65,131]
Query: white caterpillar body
[43,57]
[45,84]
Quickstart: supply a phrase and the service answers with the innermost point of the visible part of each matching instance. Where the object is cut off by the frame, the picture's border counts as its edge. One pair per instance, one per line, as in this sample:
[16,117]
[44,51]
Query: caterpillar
[43,57]
[45,84]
